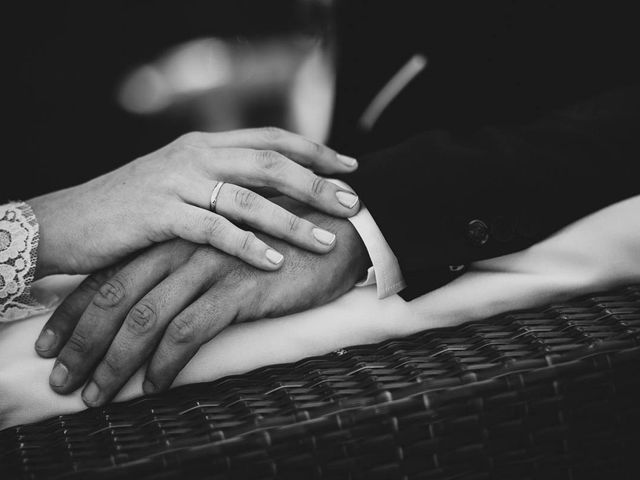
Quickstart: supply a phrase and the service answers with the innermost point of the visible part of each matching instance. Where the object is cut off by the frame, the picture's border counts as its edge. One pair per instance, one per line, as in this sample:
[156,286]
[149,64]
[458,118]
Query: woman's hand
[167,194]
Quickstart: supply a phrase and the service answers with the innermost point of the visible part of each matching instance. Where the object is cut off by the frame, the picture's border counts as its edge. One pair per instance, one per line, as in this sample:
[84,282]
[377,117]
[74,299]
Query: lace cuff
[18,253]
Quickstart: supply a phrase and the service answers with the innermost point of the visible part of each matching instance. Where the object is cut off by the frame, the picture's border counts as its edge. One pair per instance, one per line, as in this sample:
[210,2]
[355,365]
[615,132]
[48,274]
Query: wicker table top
[547,393]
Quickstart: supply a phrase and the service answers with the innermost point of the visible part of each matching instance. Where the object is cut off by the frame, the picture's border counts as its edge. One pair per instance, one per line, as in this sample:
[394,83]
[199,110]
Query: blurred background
[96,84]
[89,86]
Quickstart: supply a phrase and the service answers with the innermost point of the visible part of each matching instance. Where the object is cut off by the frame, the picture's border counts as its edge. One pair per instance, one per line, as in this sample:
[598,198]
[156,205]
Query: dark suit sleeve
[443,201]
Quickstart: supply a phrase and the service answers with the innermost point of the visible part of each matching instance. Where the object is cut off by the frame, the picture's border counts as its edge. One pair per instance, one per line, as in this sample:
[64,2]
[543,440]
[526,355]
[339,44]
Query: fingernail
[148,387]
[347,199]
[91,393]
[58,375]
[46,340]
[323,236]
[273,256]
[348,161]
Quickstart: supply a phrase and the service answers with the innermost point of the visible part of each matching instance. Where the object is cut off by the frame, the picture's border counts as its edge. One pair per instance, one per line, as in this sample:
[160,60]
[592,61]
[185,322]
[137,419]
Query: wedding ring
[214,196]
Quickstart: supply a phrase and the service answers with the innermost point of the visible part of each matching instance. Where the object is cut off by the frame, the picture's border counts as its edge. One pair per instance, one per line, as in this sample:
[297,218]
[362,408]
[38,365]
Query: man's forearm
[442,201]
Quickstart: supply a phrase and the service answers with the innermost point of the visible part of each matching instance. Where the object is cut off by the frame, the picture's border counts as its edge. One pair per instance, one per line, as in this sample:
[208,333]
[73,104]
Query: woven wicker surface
[550,393]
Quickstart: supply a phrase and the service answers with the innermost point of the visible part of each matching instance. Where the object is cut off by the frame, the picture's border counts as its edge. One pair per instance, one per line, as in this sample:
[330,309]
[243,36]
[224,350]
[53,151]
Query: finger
[299,183]
[242,205]
[267,168]
[102,318]
[196,325]
[316,156]
[63,320]
[144,325]
[202,226]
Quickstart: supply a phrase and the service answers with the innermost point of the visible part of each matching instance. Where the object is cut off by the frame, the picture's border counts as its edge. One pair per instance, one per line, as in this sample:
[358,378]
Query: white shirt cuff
[385,270]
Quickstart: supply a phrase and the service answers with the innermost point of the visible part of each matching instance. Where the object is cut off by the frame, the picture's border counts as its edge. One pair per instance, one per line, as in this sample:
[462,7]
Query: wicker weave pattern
[551,393]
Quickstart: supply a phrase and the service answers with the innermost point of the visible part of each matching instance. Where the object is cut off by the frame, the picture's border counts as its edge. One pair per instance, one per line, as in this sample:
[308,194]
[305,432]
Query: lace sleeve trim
[18,254]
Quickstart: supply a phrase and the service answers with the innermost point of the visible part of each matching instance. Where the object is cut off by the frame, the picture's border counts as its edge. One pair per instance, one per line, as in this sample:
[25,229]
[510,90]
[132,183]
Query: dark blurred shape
[68,60]
[489,63]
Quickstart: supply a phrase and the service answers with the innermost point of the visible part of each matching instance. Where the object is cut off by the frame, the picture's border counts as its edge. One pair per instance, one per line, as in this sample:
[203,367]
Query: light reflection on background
[226,83]
[190,68]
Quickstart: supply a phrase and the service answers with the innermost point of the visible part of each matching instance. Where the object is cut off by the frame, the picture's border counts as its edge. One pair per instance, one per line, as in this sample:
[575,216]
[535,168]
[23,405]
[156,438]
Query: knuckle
[182,330]
[142,317]
[318,186]
[174,152]
[78,343]
[212,225]
[247,241]
[110,294]
[245,199]
[91,284]
[272,134]
[182,150]
[316,148]
[293,223]
[269,161]
[190,138]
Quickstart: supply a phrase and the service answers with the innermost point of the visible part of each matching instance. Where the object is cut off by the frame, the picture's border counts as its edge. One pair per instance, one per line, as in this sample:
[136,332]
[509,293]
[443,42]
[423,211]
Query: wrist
[47,210]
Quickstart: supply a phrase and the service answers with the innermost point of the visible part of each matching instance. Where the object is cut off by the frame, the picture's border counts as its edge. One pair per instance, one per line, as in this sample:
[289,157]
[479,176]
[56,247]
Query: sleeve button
[477,233]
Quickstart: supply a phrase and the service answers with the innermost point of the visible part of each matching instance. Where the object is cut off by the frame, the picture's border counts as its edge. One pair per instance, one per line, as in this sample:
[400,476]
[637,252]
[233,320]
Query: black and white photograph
[320,239]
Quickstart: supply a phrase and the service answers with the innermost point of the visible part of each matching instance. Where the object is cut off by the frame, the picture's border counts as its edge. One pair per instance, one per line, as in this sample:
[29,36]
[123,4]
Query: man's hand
[167,302]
